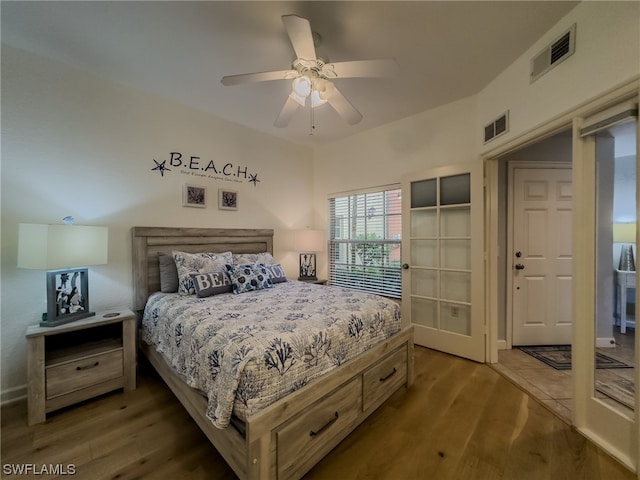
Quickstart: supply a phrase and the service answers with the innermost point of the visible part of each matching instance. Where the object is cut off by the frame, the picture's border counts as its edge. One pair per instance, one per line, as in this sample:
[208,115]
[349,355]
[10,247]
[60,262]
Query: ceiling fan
[311,75]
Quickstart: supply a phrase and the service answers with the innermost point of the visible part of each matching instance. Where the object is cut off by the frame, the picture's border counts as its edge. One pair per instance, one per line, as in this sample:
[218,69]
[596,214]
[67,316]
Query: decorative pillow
[188,263]
[276,272]
[246,278]
[253,258]
[168,273]
[208,284]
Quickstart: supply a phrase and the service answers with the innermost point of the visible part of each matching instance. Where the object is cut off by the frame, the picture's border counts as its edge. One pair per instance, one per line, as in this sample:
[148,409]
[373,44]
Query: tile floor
[554,388]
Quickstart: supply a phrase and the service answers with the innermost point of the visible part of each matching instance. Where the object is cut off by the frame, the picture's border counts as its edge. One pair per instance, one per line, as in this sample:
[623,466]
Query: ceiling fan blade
[258,77]
[344,108]
[289,108]
[299,31]
[386,67]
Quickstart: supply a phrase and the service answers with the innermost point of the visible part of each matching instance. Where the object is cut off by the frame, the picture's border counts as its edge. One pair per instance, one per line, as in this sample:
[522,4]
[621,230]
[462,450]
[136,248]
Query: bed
[286,436]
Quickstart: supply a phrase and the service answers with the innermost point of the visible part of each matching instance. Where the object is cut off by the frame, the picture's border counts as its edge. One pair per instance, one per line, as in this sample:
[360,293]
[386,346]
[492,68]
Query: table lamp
[64,251]
[625,233]
[308,242]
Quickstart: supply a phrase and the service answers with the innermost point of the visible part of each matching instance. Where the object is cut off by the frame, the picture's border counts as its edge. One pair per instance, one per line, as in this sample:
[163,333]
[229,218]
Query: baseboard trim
[608,447]
[601,342]
[605,342]
[13,395]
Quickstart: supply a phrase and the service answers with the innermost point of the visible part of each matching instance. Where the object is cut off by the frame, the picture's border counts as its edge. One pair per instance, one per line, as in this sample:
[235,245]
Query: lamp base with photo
[627,262]
[307,266]
[67,297]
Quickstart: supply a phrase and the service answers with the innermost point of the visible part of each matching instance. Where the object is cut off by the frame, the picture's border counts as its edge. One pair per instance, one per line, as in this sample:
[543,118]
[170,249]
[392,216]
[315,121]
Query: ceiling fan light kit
[317,88]
[311,76]
[300,90]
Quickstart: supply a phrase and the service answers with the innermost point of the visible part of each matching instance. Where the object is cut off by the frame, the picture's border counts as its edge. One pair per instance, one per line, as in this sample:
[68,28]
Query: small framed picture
[194,196]
[67,296]
[227,199]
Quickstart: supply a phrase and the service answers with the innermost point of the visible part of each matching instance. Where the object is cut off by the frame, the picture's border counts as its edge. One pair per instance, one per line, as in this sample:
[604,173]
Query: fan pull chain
[312,119]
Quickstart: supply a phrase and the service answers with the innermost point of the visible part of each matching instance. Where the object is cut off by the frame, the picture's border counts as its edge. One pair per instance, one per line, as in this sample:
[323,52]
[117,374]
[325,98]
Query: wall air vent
[496,128]
[552,55]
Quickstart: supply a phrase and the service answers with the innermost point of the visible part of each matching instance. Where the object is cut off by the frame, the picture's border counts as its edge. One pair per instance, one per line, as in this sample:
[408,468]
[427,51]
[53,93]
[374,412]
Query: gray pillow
[276,272]
[207,284]
[168,273]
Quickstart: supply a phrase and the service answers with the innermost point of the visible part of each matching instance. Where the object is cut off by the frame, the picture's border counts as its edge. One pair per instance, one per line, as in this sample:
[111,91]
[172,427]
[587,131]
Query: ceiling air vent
[561,49]
[496,128]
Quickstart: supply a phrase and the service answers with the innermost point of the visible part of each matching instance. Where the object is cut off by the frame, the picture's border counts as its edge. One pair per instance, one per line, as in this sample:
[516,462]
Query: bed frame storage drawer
[384,378]
[311,435]
[84,372]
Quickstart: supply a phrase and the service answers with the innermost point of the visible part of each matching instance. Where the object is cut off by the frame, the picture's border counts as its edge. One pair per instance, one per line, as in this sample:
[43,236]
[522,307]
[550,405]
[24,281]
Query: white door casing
[594,418]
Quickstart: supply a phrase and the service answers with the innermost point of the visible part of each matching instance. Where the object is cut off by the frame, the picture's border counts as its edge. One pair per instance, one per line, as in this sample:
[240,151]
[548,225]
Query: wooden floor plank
[454,431]
[484,455]
[460,420]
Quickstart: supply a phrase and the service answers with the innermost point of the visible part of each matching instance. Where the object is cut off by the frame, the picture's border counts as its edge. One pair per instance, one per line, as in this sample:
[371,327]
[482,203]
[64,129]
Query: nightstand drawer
[71,376]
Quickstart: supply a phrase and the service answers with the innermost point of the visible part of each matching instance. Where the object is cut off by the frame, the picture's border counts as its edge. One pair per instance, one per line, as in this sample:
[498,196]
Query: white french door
[442,255]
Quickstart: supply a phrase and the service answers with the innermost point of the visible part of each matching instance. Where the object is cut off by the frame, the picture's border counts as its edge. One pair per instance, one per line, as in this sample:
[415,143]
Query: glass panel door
[616,248]
[442,260]
[605,201]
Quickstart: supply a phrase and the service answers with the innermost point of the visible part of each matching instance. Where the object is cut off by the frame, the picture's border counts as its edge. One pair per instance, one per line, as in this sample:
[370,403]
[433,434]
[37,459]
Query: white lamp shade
[309,240]
[52,247]
[324,89]
[301,86]
[317,100]
[300,90]
[624,232]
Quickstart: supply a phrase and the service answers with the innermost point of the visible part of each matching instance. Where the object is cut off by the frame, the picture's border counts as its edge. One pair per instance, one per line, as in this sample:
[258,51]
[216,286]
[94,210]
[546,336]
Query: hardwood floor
[460,420]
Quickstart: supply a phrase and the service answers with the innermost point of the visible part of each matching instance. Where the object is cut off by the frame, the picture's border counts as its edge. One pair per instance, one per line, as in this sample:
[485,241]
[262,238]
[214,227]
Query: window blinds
[365,241]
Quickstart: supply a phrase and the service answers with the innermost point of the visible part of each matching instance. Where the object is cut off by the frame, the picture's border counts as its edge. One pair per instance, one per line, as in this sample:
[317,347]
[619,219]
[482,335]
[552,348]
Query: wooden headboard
[149,241]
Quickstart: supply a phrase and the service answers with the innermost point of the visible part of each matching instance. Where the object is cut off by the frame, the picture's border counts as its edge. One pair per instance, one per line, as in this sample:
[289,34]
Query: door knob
[519,266]
[405,266]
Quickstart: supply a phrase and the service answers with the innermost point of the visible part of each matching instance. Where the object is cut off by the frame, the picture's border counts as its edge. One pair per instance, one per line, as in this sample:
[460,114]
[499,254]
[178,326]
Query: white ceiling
[446,50]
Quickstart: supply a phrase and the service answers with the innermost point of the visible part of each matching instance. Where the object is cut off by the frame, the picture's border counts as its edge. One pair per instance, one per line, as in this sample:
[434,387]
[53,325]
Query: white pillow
[189,263]
[253,258]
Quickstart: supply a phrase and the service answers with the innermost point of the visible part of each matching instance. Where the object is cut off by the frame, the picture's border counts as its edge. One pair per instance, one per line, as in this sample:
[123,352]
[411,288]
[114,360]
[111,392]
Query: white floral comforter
[247,351]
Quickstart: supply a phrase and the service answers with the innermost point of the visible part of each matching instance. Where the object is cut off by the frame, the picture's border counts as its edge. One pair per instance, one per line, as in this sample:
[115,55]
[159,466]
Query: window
[365,242]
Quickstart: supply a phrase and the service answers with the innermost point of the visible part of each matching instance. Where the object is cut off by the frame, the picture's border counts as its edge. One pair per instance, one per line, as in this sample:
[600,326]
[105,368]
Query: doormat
[559,357]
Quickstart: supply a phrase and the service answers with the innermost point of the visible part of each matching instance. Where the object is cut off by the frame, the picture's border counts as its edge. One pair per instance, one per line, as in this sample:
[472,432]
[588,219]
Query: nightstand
[79,360]
[319,281]
[625,280]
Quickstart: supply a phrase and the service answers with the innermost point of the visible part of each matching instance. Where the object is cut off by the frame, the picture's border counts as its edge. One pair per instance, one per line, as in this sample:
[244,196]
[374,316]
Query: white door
[607,141]
[442,254]
[541,265]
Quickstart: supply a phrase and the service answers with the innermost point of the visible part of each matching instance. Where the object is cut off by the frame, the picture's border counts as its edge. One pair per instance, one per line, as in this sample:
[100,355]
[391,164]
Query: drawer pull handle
[384,379]
[87,367]
[324,427]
